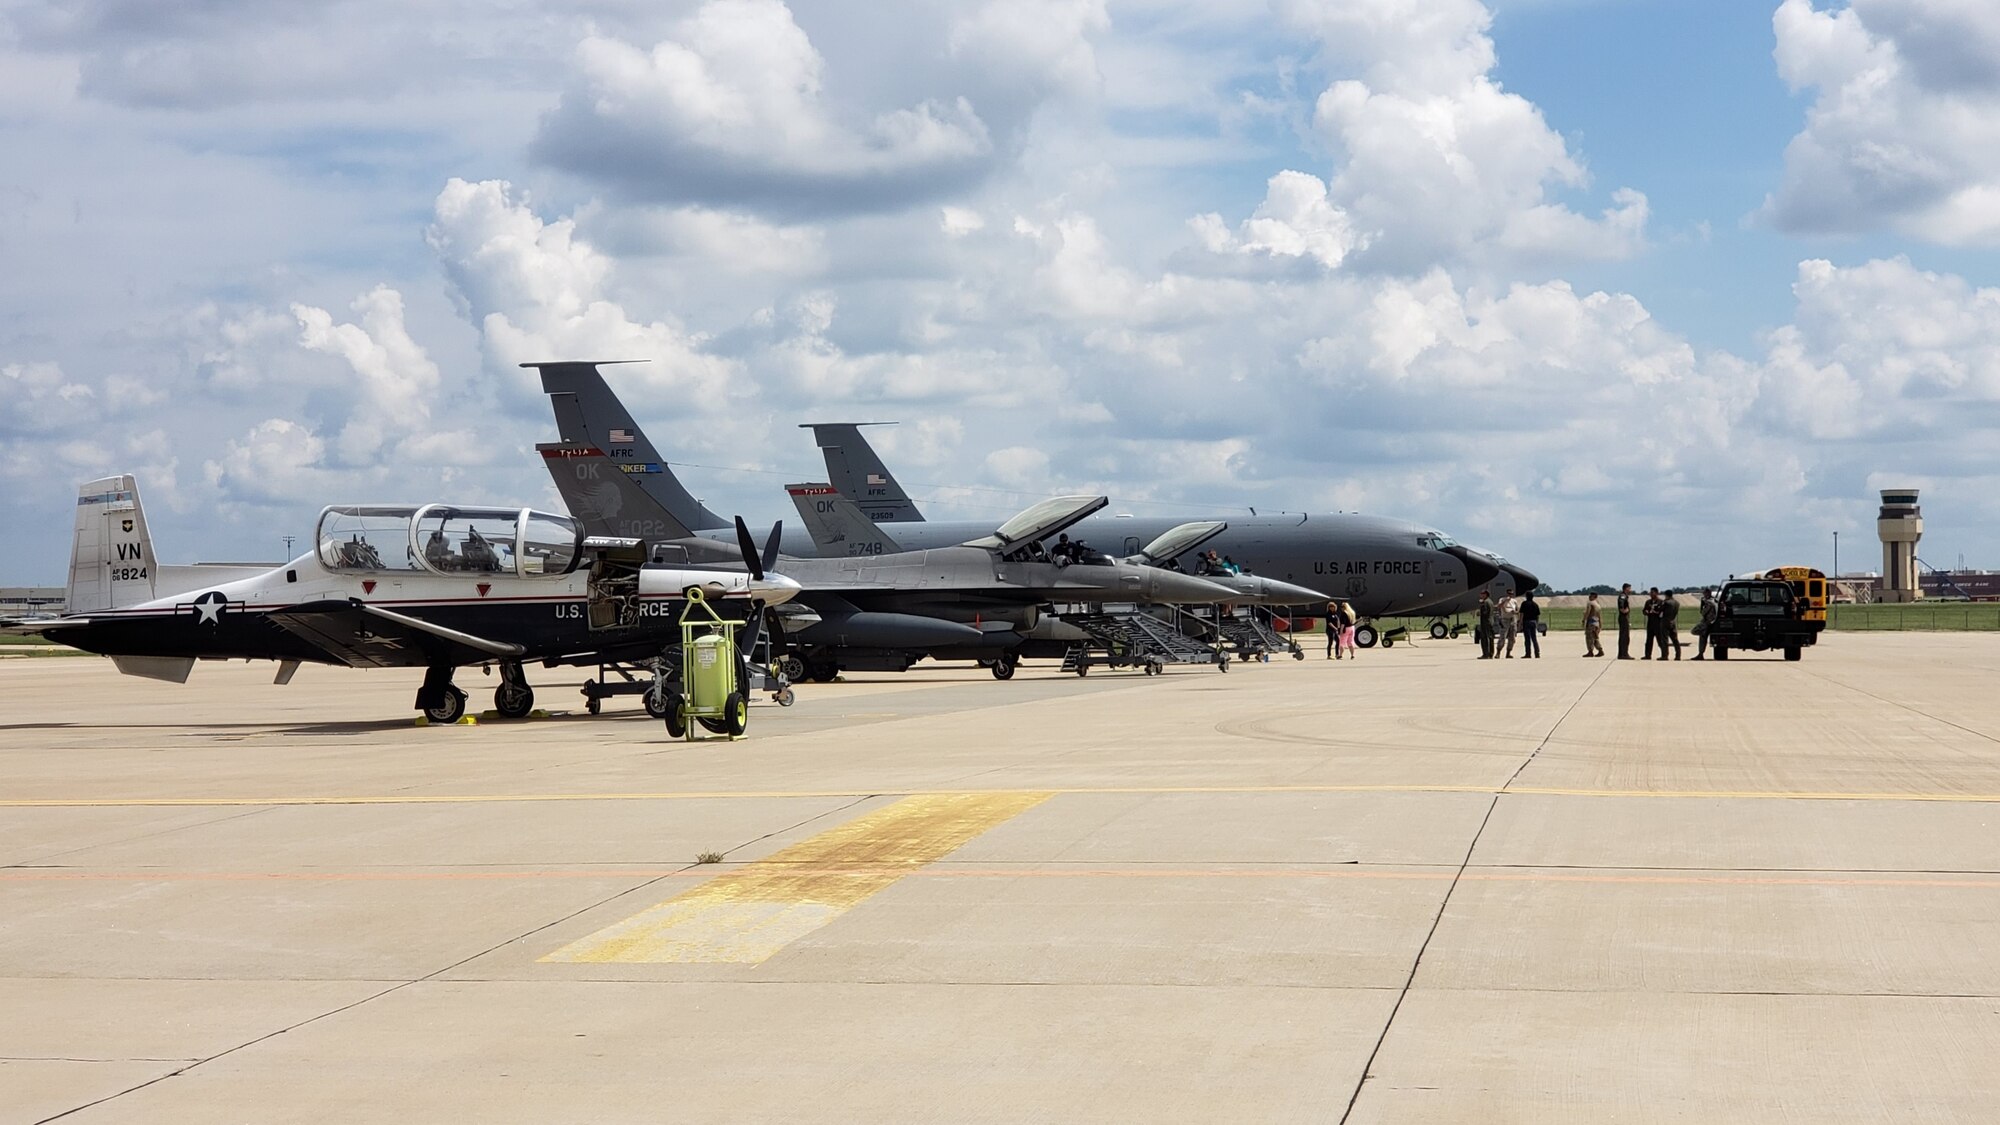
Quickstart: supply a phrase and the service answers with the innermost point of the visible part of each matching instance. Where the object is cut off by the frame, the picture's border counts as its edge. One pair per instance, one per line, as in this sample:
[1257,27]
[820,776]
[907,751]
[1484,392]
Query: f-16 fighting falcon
[431,586]
[884,611]
[1380,566]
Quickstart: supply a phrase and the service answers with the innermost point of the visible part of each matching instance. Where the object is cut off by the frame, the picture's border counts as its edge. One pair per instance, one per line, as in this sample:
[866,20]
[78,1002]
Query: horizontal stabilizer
[172,669]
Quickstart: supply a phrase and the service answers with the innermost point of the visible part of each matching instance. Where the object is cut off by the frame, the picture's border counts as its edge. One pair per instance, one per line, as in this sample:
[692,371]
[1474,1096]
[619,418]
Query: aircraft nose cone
[1284,593]
[775,589]
[1186,589]
[1524,581]
[1479,569]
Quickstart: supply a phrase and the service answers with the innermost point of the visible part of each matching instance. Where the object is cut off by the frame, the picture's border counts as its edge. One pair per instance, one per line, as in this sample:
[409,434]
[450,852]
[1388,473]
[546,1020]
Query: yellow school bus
[1808,584]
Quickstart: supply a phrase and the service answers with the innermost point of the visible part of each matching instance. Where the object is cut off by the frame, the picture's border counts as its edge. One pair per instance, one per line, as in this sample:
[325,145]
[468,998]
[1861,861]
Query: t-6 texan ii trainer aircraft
[885,611]
[432,586]
[1378,565]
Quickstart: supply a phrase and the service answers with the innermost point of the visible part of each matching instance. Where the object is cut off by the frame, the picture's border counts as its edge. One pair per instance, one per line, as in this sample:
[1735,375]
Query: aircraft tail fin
[111,561]
[604,497]
[837,525]
[588,413]
[857,473]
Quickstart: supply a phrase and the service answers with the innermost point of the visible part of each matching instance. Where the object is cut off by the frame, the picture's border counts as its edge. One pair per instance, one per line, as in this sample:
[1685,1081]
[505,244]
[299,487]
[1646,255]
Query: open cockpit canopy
[1040,521]
[1177,541]
[449,540]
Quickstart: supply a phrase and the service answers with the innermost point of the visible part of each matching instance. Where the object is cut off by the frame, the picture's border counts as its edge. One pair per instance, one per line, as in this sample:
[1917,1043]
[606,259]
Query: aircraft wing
[364,636]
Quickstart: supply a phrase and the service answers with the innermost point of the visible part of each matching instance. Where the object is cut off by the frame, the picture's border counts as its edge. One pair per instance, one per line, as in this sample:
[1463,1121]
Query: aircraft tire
[449,710]
[735,715]
[1365,636]
[1439,630]
[1082,668]
[784,698]
[822,671]
[514,701]
[1003,669]
[659,703]
[790,667]
[676,717]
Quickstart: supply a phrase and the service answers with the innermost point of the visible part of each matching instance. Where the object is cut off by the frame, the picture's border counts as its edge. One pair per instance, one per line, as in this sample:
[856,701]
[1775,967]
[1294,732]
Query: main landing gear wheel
[514,701]
[822,671]
[1439,630]
[448,710]
[1365,636]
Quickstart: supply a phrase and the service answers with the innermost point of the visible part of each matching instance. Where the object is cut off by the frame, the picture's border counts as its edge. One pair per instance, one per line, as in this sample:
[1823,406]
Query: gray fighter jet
[884,610]
[1379,566]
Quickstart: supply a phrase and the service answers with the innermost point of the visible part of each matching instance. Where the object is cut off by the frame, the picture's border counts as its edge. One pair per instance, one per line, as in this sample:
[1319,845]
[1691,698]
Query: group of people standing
[1340,621]
[1501,622]
[1662,620]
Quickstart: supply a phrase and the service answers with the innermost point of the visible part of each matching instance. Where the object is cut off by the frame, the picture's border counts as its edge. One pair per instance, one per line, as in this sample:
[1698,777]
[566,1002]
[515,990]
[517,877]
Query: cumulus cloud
[537,292]
[395,381]
[730,109]
[1434,161]
[1904,129]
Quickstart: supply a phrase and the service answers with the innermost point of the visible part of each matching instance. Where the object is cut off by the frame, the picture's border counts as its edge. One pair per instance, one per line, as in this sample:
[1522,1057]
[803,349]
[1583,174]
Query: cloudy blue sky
[1623,289]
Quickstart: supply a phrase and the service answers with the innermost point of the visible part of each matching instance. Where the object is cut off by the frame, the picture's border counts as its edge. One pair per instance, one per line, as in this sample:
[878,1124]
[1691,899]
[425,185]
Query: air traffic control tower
[1900,524]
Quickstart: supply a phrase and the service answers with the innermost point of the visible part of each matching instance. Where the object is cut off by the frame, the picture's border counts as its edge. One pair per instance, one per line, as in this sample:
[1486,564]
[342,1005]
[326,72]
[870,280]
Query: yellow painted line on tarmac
[1083,790]
[745,916]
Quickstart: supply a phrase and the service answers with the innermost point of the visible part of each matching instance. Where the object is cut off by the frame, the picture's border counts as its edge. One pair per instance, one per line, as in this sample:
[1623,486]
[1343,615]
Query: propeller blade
[771,546]
[749,548]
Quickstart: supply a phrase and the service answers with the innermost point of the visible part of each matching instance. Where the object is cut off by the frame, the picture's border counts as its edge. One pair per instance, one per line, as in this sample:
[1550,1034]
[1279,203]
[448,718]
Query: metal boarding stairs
[1250,636]
[1135,638]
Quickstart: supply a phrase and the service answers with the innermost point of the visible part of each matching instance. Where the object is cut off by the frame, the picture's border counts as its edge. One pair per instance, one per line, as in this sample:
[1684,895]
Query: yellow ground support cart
[713,694]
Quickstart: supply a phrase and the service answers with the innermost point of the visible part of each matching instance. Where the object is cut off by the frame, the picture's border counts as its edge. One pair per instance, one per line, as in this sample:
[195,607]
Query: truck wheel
[1722,652]
[1793,652]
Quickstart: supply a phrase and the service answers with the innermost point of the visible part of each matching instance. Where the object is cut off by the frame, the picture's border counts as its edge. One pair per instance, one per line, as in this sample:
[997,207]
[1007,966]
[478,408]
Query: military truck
[1761,614]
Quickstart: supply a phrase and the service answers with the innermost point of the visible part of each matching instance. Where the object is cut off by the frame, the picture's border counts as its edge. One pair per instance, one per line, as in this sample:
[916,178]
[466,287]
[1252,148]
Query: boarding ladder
[1135,638]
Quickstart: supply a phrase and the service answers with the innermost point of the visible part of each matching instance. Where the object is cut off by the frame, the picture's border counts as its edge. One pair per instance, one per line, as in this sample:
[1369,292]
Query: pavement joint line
[1905,706]
[1444,903]
[1063,791]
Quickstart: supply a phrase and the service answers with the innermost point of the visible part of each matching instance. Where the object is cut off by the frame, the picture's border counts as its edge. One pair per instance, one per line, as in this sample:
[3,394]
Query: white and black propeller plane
[431,586]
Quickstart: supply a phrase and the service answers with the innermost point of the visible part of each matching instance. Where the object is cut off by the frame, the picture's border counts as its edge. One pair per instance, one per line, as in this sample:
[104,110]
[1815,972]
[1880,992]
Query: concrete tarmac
[1416,887]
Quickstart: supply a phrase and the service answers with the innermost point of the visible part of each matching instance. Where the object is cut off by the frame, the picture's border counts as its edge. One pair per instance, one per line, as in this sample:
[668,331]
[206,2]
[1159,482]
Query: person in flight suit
[1485,625]
[1708,611]
[1670,633]
[1593,628]
[1531,628]
[1625,622]
[1652,611]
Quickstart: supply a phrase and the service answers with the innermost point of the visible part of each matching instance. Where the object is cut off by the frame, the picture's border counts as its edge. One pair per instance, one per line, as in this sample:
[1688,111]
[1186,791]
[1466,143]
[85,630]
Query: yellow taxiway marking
[1086,790]
[745,916]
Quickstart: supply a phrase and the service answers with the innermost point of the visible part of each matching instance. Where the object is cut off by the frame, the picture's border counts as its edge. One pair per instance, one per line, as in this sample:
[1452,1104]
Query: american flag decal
[621,437]
[877,478]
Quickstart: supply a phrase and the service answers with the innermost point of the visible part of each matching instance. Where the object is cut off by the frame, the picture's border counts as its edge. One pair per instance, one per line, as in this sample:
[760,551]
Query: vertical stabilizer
[587,413]
[858,474]
[111,561]
[603,497]
[837,526]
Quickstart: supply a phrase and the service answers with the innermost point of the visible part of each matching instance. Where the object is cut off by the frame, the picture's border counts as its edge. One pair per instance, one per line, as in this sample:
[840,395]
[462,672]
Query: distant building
[24,601]
[1979,585]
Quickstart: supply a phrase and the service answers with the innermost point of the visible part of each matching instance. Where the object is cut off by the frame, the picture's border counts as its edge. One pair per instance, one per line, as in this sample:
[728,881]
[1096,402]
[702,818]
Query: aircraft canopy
[1041,521]
[449,540]
[1177,541]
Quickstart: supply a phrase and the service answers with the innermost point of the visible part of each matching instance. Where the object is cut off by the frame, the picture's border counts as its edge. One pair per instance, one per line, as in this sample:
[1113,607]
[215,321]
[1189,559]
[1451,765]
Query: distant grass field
[1927,617]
